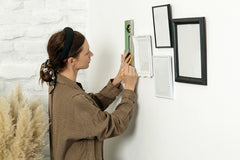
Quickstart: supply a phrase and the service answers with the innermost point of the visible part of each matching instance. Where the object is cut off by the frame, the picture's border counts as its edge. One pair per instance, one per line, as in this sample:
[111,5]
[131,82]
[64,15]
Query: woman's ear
[71,60]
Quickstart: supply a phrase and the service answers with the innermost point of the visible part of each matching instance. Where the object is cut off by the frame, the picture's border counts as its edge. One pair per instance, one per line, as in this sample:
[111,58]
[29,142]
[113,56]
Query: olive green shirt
[79,123]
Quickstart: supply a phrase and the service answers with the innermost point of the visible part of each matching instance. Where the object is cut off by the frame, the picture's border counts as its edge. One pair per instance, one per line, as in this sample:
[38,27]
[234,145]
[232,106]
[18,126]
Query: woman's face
[83,59]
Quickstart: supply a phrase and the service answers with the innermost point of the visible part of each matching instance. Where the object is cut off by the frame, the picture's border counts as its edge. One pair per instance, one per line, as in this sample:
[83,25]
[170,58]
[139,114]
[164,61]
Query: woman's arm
[107,95]
[88,121]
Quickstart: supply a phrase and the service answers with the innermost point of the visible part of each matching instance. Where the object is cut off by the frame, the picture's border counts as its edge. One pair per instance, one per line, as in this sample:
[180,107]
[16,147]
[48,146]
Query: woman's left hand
[123,65]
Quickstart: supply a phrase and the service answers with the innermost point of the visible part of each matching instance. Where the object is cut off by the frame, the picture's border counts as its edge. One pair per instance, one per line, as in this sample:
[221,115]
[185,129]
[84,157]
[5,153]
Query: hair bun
[47,72]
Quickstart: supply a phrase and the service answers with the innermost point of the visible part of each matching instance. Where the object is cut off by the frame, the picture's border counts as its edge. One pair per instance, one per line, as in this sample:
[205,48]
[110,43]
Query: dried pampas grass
[6,129]
[23,126]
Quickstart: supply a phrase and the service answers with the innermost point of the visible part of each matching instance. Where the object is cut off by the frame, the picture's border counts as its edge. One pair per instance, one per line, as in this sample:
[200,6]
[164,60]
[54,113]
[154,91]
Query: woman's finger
[125,54]
[132,70]
[126,61]
[135,72]
[124,66]
[127,70]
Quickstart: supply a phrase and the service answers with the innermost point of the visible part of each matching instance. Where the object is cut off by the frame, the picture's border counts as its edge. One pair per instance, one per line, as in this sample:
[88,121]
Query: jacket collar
[64,80]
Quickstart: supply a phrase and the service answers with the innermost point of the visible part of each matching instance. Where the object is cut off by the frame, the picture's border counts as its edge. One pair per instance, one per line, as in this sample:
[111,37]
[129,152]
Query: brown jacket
[79,122]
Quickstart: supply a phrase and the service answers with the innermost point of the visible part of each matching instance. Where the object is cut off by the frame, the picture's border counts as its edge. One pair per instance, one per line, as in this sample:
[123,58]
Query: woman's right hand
[130,77]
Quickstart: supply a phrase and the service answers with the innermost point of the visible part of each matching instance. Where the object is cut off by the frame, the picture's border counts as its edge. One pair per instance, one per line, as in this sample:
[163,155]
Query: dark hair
[54,49]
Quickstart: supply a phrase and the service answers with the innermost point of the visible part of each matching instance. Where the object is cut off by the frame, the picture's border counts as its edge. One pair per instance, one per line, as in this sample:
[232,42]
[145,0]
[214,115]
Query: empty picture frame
[163,76]
[143,55]
[190,50]
[162,24]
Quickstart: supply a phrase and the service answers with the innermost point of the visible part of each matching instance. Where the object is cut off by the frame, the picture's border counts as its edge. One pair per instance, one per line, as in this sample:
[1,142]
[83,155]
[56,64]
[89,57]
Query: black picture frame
[162,31]
[186,23]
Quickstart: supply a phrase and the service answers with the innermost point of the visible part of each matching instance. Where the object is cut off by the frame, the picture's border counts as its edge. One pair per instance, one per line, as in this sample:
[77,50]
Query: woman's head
[55,49]
[83,59]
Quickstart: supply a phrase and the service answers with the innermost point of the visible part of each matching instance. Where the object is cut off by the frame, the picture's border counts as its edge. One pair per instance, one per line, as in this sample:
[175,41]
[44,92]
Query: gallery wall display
[186,35]
[163,76]
[143,55]
[190,50]
[162,24]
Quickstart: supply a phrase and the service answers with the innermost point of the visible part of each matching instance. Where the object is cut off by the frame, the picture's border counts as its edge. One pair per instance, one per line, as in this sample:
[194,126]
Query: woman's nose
[91,53]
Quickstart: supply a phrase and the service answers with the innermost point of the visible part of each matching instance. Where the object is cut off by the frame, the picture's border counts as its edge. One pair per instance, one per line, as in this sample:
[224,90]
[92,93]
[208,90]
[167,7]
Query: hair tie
[47,69]
[67,42]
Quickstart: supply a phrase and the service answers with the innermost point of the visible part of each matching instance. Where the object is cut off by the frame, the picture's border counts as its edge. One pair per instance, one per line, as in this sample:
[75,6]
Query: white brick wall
[25,27]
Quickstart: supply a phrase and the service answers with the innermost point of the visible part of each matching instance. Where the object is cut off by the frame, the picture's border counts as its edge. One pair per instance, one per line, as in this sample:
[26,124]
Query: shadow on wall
[114,145]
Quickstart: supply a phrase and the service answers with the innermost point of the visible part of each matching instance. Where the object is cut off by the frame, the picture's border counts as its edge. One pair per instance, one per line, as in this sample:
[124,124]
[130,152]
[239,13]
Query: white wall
[202,122]
[25,27]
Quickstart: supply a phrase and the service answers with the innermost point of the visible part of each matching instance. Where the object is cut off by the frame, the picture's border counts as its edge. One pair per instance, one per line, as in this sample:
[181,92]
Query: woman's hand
[130,78]
[123,65]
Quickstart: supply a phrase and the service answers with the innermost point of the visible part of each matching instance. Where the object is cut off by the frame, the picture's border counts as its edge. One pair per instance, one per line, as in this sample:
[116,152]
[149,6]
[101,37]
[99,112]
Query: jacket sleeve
[107,95]
[90,122]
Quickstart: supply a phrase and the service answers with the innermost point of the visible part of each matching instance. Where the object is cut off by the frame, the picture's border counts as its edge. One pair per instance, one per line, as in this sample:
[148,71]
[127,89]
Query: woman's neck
[70,74]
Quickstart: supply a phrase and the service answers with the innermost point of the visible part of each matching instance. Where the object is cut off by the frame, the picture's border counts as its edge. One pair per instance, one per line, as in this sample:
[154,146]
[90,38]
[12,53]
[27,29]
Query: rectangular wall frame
[162,24]
[190,50]
[163,76]
[143,55]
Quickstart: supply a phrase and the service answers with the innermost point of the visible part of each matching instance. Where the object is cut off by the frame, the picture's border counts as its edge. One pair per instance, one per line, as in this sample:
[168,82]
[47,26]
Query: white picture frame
[163,77]
[142,47]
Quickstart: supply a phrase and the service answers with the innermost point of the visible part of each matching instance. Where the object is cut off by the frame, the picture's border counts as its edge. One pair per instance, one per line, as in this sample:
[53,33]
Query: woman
[79,123]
